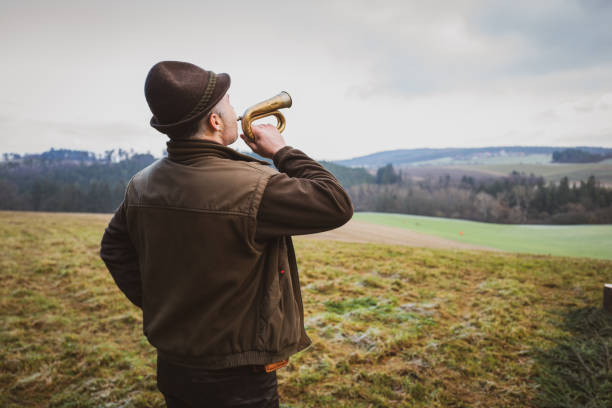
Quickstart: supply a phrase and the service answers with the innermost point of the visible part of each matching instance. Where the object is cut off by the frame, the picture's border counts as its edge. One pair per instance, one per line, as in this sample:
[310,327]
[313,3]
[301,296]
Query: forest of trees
[578,156]
[517,198]
[65,180]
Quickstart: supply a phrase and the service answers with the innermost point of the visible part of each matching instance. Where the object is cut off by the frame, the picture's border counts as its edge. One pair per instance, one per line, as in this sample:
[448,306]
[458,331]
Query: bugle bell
[269,107]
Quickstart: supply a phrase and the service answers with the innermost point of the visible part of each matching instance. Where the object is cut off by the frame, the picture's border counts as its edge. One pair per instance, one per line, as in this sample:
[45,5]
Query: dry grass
[391,326]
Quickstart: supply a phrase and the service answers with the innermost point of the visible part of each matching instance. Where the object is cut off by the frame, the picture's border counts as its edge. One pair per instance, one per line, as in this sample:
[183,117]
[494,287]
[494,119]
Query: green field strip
[551,172]
[591,241]
[541,159]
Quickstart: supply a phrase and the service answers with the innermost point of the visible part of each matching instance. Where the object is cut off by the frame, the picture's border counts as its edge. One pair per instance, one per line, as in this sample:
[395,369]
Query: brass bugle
[260,110]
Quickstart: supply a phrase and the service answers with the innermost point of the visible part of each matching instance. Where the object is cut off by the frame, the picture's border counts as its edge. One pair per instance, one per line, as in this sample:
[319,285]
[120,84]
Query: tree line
[578,156]
[517,198]
[63,180]
[70,182]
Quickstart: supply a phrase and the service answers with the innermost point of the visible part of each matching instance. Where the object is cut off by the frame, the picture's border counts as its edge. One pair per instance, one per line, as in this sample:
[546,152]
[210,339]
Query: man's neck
[215,137]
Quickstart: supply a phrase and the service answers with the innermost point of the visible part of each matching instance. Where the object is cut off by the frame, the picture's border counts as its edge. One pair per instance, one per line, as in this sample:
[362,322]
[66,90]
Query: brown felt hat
[179,93]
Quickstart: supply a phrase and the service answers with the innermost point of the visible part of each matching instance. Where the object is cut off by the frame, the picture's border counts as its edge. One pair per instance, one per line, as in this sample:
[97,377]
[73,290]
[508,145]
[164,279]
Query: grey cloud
[64,60]
[546,116]
[561,34]
[418,49]
[598,138]
[90,136]
[409,47]
[584,108]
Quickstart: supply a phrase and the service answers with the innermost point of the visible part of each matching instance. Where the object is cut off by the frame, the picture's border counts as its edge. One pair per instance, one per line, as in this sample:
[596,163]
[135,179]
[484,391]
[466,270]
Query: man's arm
[120,257]
[303,198]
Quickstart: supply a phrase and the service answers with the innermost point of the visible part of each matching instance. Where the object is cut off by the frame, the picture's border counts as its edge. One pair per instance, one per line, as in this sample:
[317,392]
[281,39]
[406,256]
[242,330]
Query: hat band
[212,81]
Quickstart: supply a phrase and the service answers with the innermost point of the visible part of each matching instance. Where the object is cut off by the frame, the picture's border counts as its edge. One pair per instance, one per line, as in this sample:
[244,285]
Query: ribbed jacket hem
[253,357]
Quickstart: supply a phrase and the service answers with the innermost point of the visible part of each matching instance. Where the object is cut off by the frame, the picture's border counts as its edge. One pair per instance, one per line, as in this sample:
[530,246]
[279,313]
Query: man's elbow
[343,218]
[344,213]
[136,299]
[105,249]
[102,252]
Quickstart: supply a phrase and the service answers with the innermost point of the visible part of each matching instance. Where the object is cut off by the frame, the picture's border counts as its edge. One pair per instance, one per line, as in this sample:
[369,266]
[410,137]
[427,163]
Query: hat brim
[221,87]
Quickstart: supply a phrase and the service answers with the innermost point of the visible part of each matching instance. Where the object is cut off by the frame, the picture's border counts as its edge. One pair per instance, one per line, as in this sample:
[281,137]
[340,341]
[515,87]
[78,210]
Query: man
[202,243]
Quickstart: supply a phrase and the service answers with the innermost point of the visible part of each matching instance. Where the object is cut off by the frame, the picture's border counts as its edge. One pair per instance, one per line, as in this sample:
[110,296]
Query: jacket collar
[189,152]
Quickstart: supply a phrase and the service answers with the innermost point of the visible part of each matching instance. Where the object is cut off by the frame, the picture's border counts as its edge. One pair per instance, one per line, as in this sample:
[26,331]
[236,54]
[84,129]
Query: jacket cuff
[279,155]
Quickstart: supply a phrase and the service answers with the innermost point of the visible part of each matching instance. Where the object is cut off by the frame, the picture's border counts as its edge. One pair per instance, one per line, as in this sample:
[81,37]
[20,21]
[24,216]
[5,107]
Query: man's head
[184,97]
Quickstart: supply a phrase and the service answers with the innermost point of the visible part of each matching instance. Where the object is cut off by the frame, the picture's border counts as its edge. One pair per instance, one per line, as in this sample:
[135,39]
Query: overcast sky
[365,76]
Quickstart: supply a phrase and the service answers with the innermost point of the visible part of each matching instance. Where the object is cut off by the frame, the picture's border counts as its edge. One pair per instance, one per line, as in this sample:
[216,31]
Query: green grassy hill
[391,326]
[593,241]
[490,155]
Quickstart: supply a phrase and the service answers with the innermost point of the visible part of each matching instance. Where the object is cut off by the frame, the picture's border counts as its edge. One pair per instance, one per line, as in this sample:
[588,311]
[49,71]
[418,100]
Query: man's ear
[215,122]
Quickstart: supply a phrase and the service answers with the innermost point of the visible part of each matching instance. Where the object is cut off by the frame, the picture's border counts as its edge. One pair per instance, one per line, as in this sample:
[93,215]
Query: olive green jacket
[202,243]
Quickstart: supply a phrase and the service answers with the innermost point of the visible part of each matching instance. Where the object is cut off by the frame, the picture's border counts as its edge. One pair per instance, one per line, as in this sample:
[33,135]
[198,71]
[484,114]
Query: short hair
[193,128]
[190,130]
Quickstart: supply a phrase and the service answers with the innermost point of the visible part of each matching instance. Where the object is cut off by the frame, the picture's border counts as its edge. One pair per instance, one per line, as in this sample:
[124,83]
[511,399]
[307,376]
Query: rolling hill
[448,156]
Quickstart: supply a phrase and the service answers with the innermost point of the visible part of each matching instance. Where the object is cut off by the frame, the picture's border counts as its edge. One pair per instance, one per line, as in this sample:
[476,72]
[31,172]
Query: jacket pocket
[280,318]
[272,297]
[289,311]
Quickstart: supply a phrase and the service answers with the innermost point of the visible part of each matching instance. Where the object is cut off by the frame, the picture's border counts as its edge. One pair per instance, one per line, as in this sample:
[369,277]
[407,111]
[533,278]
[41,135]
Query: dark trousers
[230,387]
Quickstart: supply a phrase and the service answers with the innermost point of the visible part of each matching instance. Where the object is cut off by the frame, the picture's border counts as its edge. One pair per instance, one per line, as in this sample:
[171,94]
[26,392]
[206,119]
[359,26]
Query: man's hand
[268,140]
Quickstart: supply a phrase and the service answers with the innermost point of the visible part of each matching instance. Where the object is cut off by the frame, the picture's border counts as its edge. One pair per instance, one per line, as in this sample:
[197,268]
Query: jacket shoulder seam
[261,168]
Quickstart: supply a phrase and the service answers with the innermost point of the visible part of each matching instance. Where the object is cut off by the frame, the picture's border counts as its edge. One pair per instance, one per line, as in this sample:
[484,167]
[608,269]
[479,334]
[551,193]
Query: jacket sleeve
[303,198]
[121,258]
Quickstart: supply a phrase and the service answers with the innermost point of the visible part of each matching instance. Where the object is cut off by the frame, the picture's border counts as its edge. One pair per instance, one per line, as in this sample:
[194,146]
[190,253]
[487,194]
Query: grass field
[391,326]
[594,241]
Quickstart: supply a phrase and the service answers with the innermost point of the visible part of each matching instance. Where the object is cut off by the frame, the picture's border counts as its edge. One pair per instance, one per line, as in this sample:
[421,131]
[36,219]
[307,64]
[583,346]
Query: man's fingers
[248,141]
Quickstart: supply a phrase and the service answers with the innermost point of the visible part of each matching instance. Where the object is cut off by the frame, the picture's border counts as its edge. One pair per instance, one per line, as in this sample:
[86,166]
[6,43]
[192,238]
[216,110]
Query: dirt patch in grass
[365,232]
